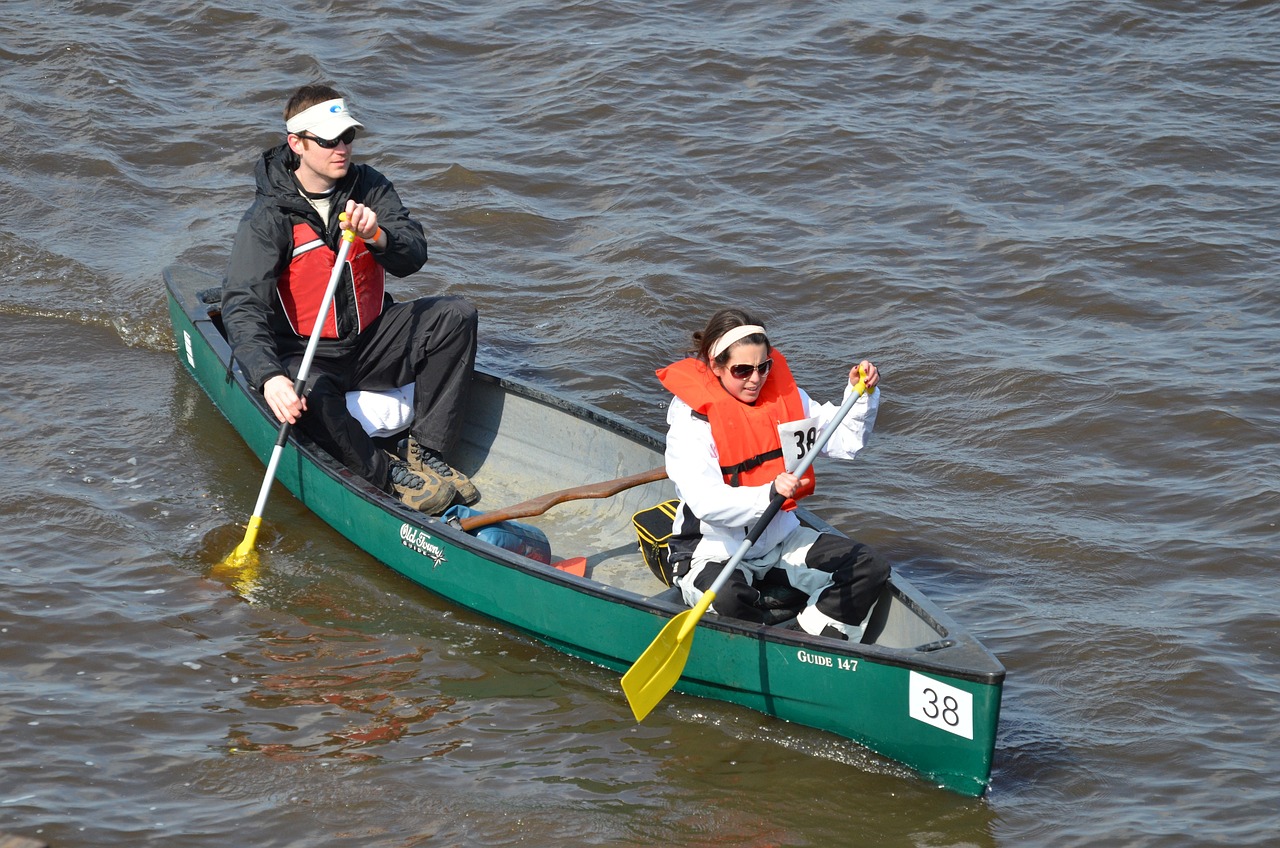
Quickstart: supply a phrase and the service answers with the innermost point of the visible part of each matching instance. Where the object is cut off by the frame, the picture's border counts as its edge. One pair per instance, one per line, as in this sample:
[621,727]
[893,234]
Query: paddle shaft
[771,510]
[539,505]
[300,383]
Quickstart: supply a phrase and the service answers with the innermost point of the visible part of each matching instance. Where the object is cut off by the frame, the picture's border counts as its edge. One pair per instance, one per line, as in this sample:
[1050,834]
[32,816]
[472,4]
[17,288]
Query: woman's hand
[786,484]
[866,372]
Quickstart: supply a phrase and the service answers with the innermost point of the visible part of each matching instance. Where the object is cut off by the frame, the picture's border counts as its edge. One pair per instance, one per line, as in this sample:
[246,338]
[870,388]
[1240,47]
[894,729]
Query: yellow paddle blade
[245,556]
[240,570]
[241,578]
[651,677]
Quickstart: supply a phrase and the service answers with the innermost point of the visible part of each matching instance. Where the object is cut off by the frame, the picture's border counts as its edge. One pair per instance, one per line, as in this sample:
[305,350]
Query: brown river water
[1051,225]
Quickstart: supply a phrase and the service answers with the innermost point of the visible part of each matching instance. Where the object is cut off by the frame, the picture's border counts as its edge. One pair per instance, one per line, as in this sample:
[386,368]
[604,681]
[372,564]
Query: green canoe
[919,690]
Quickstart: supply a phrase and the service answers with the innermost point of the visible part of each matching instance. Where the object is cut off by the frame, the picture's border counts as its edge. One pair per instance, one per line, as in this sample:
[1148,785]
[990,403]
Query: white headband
[736,334]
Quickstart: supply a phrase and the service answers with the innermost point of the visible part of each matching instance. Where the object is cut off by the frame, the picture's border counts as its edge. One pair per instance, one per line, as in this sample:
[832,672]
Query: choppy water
[1052,225]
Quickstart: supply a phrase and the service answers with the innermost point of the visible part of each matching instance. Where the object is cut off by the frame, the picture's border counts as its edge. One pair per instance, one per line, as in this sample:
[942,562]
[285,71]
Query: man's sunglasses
[742,370]
[330,143]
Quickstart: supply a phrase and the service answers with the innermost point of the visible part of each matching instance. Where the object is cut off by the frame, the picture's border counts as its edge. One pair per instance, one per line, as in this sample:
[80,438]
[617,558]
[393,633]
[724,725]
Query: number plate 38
[943,706]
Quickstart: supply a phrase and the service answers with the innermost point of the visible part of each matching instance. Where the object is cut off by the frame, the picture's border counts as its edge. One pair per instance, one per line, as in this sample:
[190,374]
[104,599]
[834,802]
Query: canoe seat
[382,413]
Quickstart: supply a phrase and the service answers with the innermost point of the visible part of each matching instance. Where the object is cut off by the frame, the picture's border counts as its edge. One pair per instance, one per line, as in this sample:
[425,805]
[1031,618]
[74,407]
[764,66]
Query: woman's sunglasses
[742,370]
[330,143]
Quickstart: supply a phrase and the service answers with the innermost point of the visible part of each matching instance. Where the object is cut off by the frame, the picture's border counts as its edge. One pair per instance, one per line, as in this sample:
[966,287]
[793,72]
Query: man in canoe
[737,420]
[284,253]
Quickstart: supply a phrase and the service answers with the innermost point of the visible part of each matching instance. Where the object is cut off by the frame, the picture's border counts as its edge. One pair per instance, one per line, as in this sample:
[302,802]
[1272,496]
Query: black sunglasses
[330,143]
[742,370]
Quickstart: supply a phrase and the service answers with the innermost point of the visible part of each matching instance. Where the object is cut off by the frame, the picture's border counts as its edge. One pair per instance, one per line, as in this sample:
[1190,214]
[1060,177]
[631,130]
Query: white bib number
[796,439]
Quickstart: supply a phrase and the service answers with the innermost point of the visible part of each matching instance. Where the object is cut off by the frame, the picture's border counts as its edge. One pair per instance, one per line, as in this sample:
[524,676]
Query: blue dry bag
[513,536]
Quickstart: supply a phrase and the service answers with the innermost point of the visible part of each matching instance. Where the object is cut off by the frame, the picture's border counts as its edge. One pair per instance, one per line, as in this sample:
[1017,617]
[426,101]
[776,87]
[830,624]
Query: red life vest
[306,277]
[746,435]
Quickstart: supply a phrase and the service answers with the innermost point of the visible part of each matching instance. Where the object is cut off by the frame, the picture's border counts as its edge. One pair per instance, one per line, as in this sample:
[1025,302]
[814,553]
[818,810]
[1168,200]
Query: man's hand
[282,399]
[363,221]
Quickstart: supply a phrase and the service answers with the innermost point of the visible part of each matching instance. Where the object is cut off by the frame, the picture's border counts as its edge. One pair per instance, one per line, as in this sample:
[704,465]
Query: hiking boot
[424,460]
[424,492]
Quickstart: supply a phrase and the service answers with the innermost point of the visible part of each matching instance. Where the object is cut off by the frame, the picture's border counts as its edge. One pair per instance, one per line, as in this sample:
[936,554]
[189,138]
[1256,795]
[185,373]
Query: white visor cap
[326,120]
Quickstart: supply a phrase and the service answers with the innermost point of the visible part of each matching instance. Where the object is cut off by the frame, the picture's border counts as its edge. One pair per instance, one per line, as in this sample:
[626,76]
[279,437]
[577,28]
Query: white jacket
[728,513]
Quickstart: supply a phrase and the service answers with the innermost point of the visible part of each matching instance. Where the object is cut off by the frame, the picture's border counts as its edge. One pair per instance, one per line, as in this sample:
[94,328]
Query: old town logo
[417,540]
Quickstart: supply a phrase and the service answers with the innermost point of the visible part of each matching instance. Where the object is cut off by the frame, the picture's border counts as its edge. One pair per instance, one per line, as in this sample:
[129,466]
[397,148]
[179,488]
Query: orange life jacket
[746,435]
[306,277]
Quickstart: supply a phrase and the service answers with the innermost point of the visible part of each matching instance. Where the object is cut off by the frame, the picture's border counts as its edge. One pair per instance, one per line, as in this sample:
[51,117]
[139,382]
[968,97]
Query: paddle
[245,555]
[542,503]
[660,666]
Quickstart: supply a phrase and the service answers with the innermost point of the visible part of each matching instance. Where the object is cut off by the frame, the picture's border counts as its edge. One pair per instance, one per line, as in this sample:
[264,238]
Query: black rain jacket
[260,335]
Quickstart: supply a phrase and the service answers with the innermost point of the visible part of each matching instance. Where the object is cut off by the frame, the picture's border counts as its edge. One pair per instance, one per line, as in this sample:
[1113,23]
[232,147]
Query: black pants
[430,342]
[858,577]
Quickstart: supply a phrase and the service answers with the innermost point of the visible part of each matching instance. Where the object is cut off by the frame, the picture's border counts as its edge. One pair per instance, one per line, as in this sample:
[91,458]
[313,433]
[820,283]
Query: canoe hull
[931,702]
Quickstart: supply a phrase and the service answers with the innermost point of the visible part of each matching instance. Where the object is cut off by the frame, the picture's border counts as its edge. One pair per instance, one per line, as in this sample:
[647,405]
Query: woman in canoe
[737,420]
